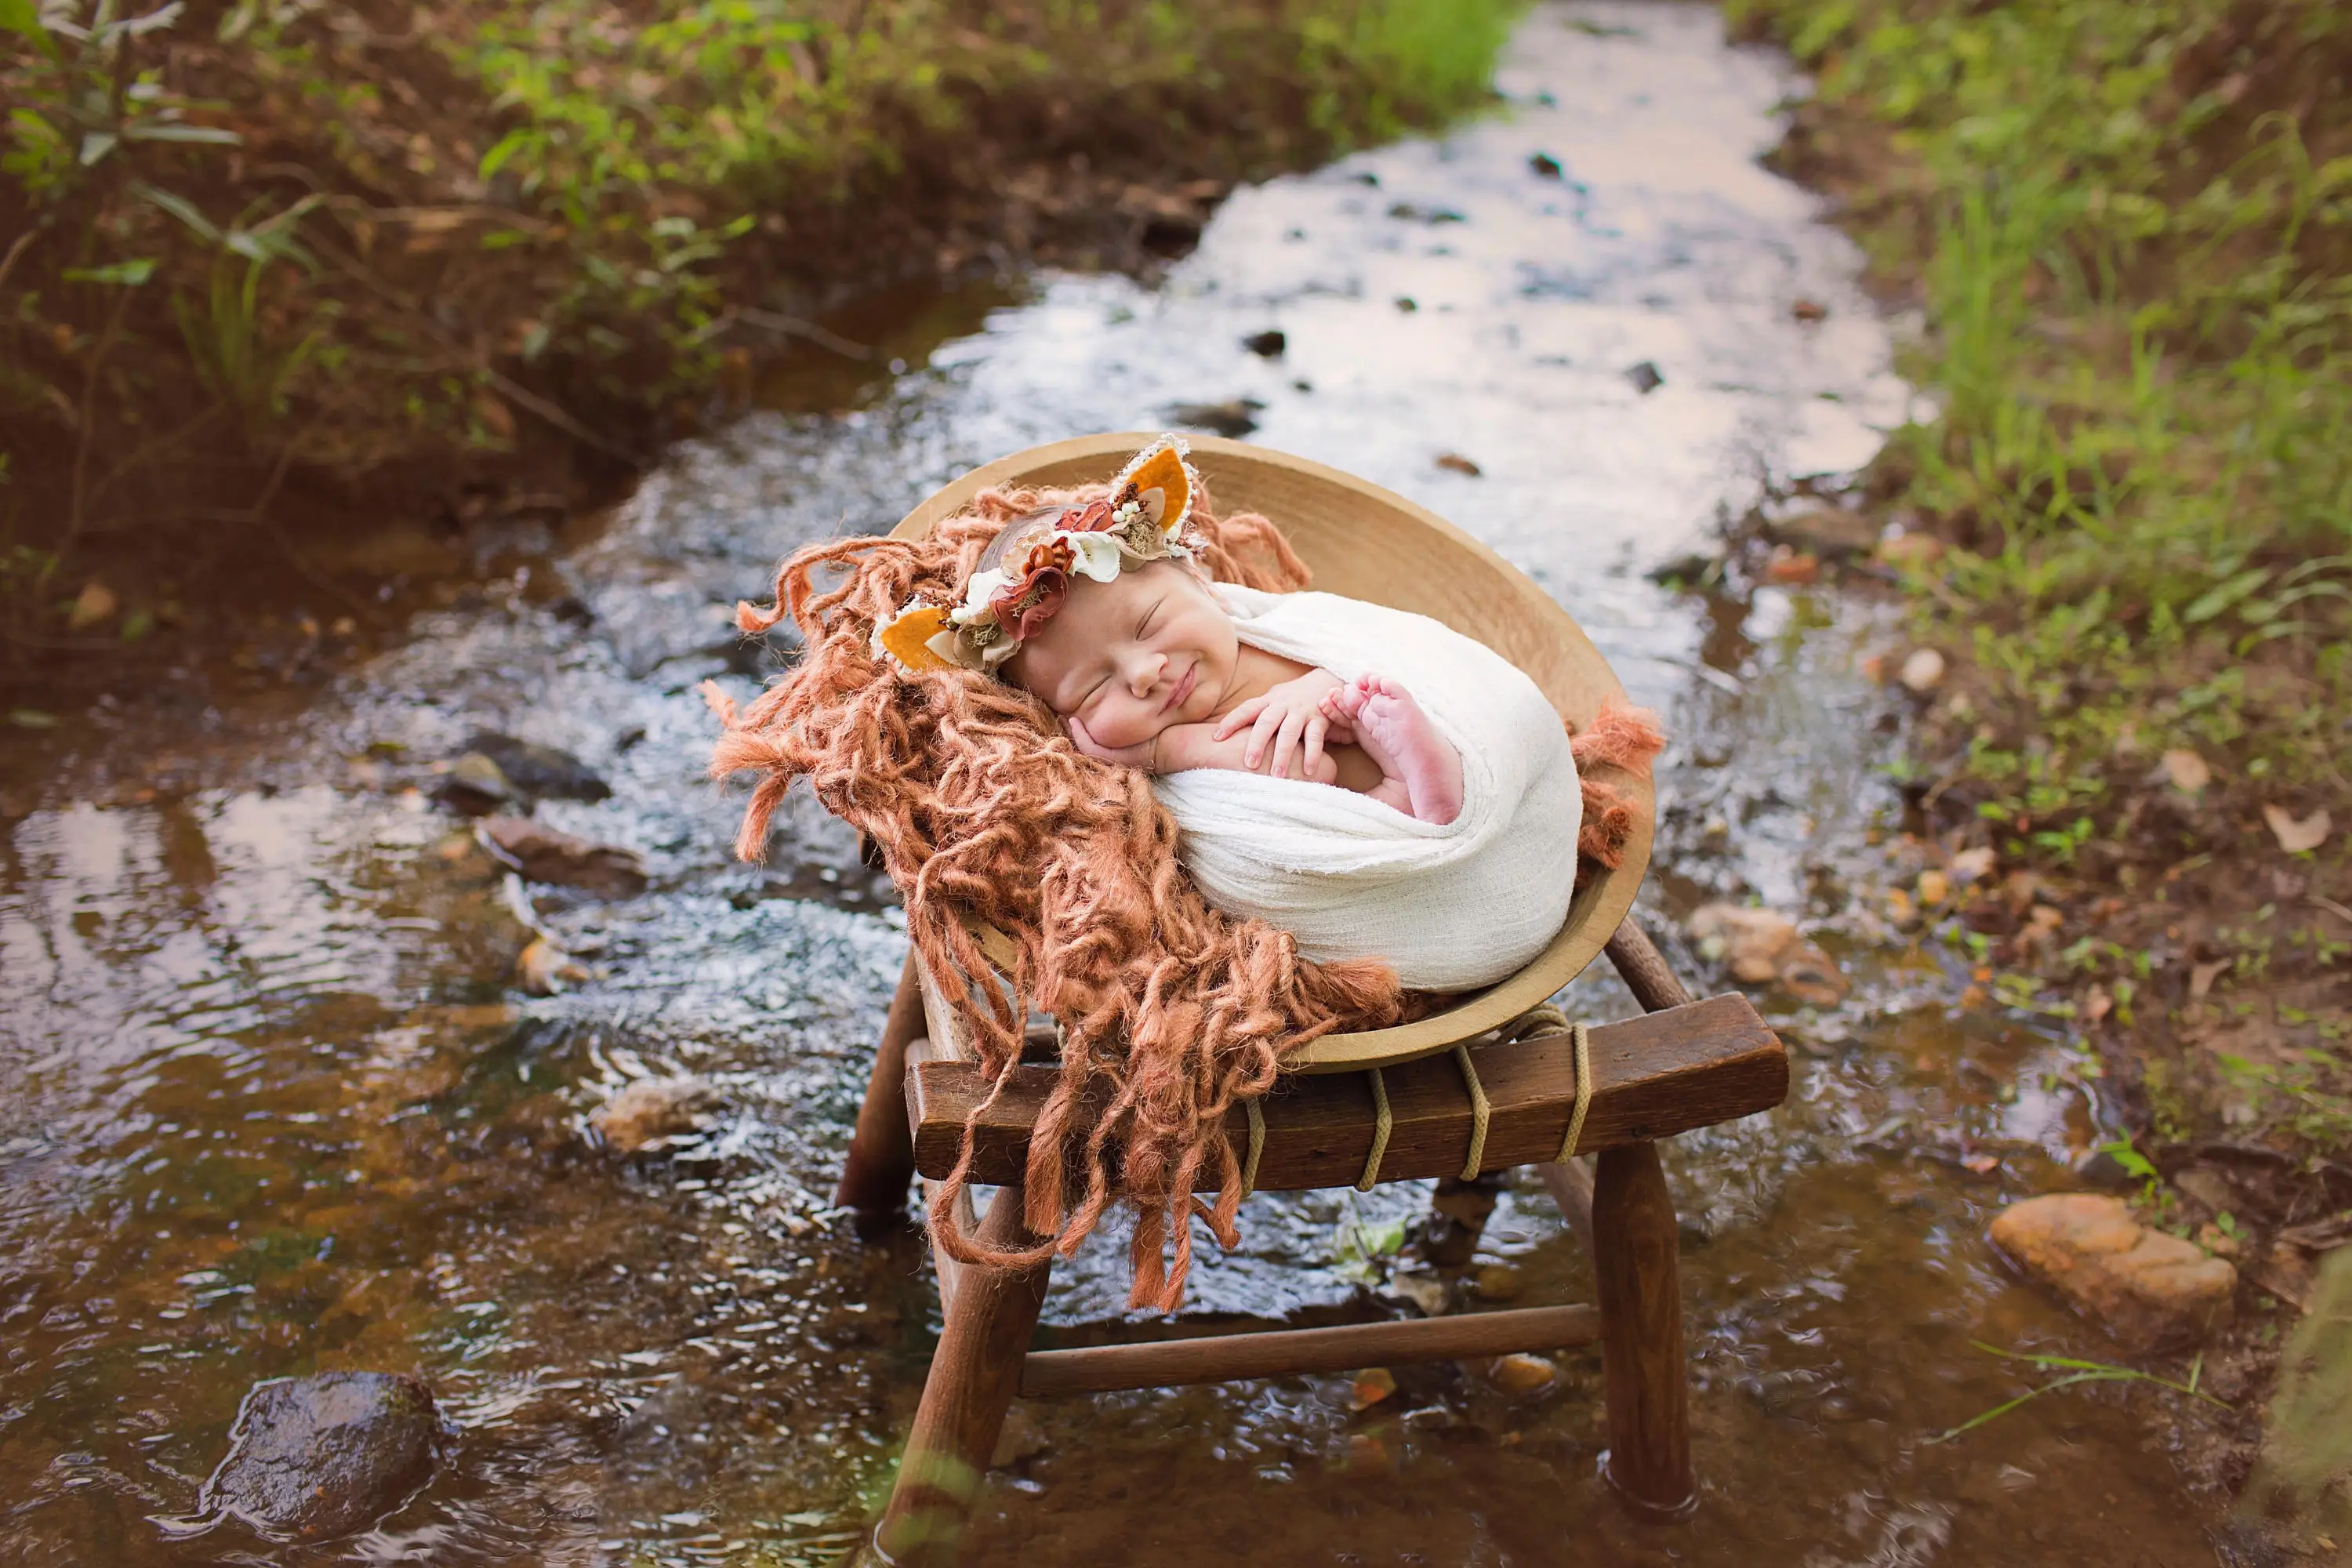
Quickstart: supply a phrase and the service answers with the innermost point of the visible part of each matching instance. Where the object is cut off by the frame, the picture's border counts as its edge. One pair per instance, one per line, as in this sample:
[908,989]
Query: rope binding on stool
[1480,1111]
[1381,1124]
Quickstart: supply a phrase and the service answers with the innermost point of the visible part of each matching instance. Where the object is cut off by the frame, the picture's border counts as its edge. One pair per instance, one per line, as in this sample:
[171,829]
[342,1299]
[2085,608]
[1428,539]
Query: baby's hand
[1139,756]
[1292,713]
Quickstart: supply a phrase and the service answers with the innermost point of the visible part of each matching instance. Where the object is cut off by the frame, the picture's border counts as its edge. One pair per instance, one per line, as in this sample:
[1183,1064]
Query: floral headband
[1143,521]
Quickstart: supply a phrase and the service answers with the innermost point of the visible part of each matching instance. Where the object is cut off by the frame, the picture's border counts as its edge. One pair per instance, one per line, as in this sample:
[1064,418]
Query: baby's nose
[1145,674]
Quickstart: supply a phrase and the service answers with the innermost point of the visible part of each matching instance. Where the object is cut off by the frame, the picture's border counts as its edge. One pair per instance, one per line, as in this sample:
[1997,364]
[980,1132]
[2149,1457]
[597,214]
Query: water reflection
[281,1106]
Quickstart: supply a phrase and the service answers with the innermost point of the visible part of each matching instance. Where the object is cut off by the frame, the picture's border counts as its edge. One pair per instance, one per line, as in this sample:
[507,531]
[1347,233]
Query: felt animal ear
[905,639]
[1161,481]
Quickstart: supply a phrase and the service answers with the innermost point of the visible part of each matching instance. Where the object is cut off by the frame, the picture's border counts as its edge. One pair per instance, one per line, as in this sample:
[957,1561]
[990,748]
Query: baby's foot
[1394,732]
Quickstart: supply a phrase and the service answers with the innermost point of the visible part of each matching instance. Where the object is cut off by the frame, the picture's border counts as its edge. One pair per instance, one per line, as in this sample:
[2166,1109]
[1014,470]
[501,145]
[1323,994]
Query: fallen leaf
[2296,834]
[1791,566]
[2187,770]
[1934,887]
[1980,1164]
[1372,1386]
[2096,1004]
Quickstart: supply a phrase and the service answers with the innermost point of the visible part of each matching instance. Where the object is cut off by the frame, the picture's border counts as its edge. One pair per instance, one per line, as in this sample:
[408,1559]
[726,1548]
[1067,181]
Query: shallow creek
[274,1104]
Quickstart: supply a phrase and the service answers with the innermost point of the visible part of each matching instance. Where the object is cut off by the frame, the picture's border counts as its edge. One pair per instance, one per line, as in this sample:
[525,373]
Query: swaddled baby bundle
[1451,905]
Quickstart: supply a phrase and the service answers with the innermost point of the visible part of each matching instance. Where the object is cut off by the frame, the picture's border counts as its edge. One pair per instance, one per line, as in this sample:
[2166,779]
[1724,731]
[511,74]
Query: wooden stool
[1686,1065]
[1379,1105]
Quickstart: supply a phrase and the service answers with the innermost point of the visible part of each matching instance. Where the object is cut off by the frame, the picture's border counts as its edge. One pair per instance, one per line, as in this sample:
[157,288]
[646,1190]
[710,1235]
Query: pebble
[544,969]
[1268,344]
[2150,1290]
[1523,1373]
[1455,462]
[1373,1384]
[477,787]
[1822,527]
[1645,378]
[95,604]
[1500,1282]
[1922,671]
[1933,887]
[315,1457]
[1233,419]
[652,1108]
[1748,943]
[2188,772]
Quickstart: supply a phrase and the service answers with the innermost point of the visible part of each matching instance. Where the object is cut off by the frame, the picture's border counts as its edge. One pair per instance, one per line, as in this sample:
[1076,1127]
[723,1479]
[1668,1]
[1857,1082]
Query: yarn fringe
[983,810]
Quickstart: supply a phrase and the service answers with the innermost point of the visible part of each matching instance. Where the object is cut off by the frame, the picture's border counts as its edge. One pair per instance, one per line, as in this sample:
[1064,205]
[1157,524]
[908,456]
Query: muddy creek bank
[281,1106]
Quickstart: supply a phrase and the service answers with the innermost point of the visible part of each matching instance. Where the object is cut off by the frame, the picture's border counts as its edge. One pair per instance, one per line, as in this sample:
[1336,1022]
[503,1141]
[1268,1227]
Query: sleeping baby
[1370,780]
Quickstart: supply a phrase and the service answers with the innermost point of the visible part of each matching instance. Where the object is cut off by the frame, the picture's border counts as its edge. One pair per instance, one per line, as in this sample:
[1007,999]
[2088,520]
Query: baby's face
[1131,657]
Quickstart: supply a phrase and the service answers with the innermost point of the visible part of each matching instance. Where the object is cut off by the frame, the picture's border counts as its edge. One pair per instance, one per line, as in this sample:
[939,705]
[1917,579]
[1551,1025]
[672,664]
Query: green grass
[2129,221]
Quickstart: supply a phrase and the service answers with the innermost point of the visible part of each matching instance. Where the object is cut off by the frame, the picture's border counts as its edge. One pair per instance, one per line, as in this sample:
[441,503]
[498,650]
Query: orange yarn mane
[983,810]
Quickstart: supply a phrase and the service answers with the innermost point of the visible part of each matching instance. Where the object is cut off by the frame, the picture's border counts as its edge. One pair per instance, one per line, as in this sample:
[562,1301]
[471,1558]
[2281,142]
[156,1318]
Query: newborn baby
[1148,669]
[1424,812]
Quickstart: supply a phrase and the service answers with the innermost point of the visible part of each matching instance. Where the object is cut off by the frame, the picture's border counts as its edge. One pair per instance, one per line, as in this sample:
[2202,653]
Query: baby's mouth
[1177,697]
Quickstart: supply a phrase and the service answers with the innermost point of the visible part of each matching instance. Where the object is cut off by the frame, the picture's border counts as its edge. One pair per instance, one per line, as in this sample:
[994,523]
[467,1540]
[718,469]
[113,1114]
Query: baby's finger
[1233,722]
[1317,728]
[1269,722]
[1285,743]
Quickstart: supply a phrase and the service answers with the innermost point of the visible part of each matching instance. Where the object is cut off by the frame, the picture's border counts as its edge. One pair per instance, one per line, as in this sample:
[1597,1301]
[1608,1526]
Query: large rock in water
[315,1457]
[2146,1289]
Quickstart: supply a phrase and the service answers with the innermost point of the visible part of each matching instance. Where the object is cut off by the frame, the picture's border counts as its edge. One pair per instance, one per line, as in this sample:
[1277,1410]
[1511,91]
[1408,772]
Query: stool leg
[975,1373]
[1633,1261]
[882,1150]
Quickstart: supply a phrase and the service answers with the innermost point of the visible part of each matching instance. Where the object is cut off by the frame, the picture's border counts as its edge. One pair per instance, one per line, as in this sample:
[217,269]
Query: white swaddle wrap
[1450,907]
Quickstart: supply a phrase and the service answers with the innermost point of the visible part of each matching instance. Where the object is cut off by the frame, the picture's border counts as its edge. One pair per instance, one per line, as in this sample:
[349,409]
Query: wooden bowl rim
[1599,906]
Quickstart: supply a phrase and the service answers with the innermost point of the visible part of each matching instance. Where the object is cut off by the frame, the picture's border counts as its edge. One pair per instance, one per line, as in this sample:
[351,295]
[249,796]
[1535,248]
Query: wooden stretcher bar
[1654,1075]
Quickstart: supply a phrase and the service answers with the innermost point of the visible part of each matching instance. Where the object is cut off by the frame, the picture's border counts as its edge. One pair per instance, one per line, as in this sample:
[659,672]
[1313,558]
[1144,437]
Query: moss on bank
[261,243]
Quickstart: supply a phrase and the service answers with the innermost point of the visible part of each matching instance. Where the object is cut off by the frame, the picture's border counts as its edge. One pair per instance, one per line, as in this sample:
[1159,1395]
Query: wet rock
[543,773]
[1268,344]
[1233,419]
[1821,527]
[649,1112]
[544,854]
[1791,568]
[1372,1386]
[1759,947]
[1415,212]
[1455,462]
[1748,943]
[477,787]
[315,1457]
[1523,1373]
[1499,1282]
[1808,309]
[544,969]
[2148,1289]
[1922,671]
[1545,166]
[1645,378]
[1020,1439]
[1425,1291]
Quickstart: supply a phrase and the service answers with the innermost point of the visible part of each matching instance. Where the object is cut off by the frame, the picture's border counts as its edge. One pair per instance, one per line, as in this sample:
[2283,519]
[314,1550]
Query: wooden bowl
[1369,543]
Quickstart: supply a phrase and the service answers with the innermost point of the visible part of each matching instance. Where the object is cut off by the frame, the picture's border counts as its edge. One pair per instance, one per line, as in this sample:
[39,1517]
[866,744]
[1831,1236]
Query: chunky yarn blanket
[1450,907]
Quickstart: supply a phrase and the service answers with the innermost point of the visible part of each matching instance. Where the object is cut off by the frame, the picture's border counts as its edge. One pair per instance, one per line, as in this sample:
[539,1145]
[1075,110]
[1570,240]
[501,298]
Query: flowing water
[275,1104]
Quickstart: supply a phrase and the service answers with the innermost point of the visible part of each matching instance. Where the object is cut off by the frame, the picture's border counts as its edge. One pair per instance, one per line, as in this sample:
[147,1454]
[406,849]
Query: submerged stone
[2148,1289]
[477,787]
[543,773]
[650,1112]
[315,1457]
[544,854]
